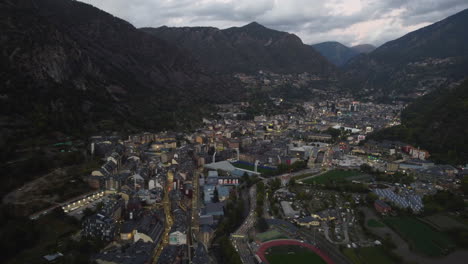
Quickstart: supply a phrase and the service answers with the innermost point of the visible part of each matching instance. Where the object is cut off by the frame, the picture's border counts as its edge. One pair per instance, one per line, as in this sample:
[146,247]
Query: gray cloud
[348,21]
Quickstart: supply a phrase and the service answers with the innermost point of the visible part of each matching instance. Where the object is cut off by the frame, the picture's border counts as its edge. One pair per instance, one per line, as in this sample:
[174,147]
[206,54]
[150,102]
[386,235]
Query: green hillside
[437,122]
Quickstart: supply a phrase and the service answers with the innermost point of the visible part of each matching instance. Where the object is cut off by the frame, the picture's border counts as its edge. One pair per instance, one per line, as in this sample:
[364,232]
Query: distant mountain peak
[410,65]
[335,52]
[329,42]
[254,24]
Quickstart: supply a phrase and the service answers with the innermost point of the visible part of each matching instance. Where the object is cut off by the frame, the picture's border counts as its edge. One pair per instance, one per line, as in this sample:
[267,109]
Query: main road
[169,221]
[240,238]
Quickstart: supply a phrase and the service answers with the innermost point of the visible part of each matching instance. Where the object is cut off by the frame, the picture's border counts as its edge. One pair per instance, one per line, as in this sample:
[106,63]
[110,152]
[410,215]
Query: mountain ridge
[363,48]
[67,66]
[421,61]
[246,49]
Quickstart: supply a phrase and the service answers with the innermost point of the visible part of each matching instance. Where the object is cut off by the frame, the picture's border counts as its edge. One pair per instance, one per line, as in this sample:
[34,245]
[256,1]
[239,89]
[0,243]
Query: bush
[460,236]
[442,201]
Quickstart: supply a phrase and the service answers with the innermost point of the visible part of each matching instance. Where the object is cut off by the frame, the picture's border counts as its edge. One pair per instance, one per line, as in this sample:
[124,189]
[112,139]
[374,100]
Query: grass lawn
[55,235]
[445,222]
[368,255]
[374,223]
[292,254]
[270,235]
[421,236]
[333,175]
[462,220]
[53,231]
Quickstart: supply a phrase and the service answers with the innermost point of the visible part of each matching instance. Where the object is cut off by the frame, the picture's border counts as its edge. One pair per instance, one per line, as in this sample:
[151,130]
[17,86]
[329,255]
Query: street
[239,238]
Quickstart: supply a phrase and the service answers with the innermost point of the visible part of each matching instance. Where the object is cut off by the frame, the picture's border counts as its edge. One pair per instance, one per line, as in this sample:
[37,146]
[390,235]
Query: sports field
[368,255]
[333,175]
[251,167]
[374,223]
[421,236]
[292,254]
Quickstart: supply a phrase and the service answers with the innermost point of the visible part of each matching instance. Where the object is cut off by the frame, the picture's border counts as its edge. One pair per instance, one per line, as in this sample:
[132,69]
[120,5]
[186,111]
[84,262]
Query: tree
[302,196]
[260,187]
[211,151]
[215,198]
[99,206]
[460,236]
[292,182]
[228,253]
[245,178]
[17,232]
[371,197]
[365,168]
[335,133]
[261,225]
[442,201]
[88,212]
[275,184]
[464,184]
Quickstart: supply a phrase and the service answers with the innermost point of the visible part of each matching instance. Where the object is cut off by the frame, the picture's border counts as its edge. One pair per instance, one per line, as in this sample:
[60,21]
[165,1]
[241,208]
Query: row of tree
[233,217]
[285,168]
[261,224]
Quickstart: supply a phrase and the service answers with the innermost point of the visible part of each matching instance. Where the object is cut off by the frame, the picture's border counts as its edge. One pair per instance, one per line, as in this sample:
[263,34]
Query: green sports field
[421,236]
[333,175]
[368,255]
[292,254]
[374,223]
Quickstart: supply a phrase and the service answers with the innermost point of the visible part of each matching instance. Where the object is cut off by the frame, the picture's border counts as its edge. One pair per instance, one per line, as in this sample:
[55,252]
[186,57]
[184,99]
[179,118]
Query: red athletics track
[283,242]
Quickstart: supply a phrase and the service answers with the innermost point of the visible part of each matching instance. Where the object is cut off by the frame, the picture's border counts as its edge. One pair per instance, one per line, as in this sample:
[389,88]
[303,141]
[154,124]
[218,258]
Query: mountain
[335,52]
[246,49]
[437,122]
[430,58]
[363,48]
[67,66]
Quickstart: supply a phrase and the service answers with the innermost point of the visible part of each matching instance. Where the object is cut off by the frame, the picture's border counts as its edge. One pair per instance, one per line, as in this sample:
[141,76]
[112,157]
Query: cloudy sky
[350,22]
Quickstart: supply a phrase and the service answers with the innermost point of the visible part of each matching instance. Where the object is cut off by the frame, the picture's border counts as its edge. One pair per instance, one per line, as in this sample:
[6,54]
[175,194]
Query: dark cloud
[348,21]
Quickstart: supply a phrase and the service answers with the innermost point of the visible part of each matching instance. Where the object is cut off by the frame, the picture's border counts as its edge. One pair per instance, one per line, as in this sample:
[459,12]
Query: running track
[283,242]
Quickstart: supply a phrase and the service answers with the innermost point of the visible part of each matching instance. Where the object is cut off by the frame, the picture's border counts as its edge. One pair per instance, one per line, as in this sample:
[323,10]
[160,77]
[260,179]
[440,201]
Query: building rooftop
[221,165]
[382,204]
[288,210]
[214,208]
[137,253]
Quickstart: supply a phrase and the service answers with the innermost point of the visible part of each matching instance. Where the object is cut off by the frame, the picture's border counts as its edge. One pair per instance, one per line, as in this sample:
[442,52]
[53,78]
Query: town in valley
[308,174]
[233,132]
